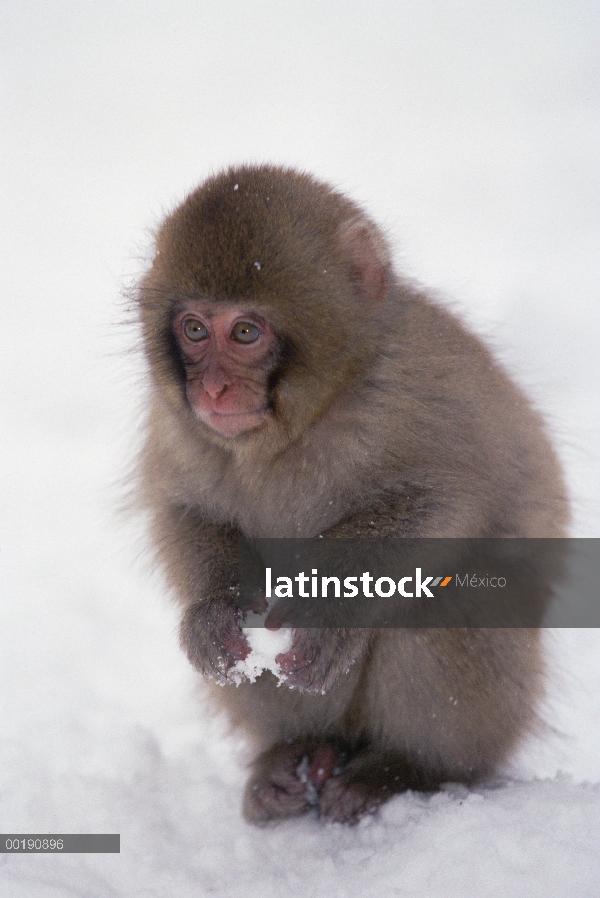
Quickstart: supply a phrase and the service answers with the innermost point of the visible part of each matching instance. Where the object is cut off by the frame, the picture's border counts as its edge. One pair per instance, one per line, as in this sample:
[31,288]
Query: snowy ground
[471,131]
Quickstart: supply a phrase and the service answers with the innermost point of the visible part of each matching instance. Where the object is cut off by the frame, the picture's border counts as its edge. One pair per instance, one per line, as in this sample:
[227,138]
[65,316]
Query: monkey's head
[262,301]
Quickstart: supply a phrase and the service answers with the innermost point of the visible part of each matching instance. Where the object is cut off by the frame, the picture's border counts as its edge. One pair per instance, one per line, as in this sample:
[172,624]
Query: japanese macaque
[301,388]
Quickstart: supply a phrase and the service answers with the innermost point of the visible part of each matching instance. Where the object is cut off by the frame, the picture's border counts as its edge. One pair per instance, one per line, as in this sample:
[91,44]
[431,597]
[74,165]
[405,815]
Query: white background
[471,131]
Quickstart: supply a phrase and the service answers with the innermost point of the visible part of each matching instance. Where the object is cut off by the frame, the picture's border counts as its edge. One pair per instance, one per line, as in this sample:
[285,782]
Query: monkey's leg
[366,782]
[287,779]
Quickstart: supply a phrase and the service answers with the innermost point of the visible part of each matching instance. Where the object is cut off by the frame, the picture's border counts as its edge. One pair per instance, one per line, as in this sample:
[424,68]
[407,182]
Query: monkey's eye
[245,332]
[194,330]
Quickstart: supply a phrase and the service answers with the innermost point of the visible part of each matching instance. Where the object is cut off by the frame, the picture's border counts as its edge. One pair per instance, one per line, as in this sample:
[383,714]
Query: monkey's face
[227,353]
[263,303]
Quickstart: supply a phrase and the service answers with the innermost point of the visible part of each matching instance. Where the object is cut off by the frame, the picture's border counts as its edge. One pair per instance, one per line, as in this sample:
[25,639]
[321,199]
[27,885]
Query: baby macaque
[301,388]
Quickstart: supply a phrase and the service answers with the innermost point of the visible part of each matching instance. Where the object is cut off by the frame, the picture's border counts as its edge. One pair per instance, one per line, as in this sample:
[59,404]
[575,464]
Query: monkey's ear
[367,257]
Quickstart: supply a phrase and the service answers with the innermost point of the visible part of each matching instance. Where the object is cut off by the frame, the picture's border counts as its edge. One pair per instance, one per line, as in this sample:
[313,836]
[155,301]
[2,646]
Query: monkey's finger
[256,602]
[234,644]
[323,764]
[295,660]
[277,617]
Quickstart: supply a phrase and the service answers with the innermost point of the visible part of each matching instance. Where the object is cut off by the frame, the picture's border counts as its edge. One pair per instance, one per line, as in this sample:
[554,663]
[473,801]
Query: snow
[471,132]
[265,646]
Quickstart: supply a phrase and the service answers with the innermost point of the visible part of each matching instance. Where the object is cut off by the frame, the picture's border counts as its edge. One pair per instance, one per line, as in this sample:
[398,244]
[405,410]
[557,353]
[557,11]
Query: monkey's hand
[288,778]
[211,636]
[318,657]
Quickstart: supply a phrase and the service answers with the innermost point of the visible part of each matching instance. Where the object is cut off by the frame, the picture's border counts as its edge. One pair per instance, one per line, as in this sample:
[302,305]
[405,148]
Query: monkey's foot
[288,779]
[344,800]
[366,782]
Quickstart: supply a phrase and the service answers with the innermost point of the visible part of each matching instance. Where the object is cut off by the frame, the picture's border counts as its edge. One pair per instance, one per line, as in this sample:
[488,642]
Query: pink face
[226,353]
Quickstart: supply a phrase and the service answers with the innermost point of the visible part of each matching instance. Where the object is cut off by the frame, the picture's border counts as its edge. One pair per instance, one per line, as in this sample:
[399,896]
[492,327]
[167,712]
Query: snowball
[265,645]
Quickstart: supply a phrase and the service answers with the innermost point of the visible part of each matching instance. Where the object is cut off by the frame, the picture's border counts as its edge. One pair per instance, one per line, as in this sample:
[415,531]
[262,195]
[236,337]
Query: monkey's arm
[314,663]
[200,560]
[444,507]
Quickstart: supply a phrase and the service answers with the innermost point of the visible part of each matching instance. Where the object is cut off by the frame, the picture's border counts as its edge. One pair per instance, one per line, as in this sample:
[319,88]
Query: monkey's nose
[215,382]
[215,390]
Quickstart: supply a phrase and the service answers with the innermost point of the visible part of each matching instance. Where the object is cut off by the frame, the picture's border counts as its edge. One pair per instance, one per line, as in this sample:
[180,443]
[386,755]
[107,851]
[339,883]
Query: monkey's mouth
[231,413]
[232,424]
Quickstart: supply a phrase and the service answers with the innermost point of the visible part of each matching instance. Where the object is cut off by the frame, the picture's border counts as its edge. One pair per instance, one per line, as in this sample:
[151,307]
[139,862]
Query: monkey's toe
[275,796]
[344,801]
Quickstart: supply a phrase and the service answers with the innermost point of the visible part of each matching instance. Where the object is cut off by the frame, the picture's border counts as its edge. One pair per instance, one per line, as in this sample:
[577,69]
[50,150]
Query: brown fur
[388,419]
